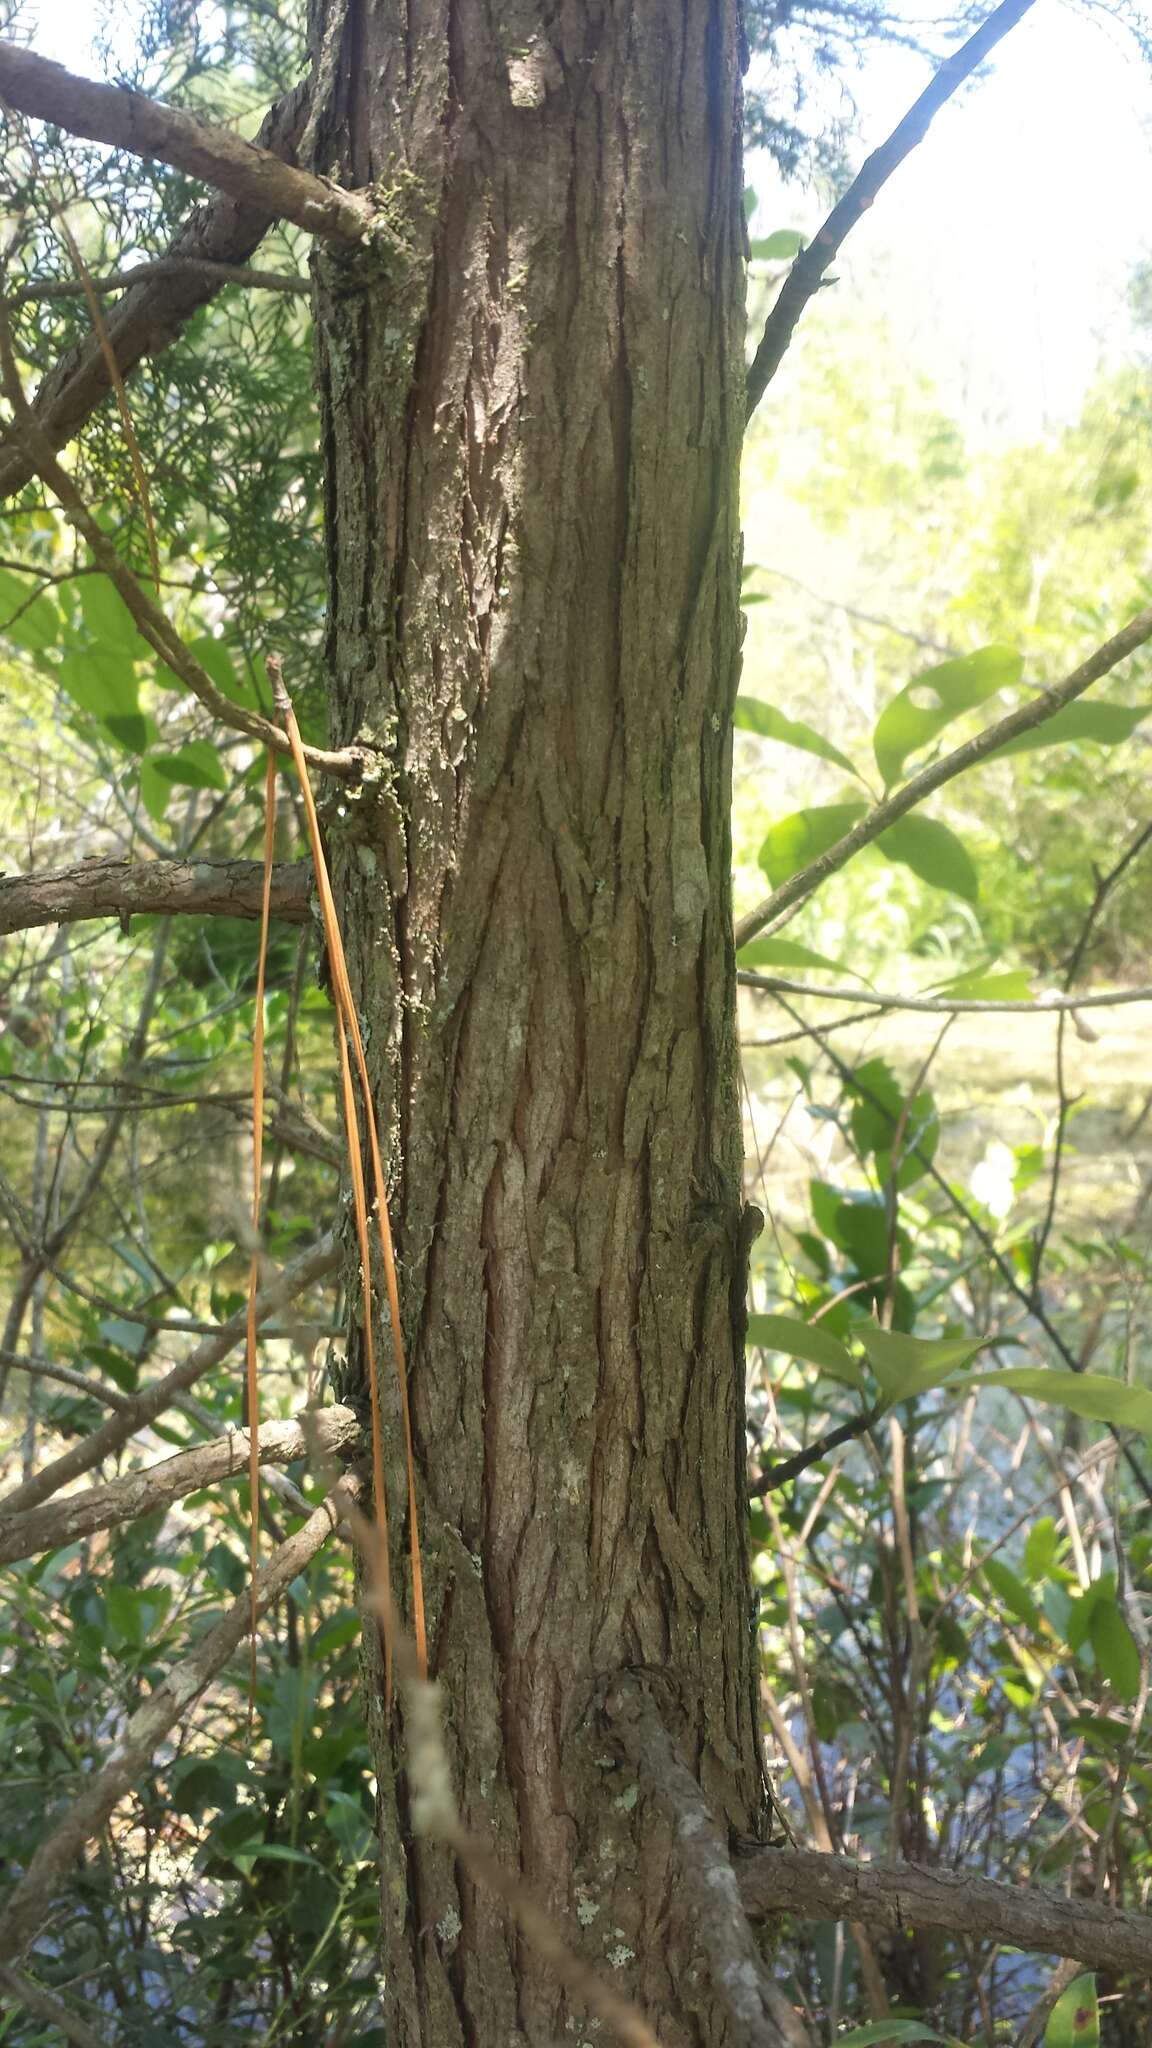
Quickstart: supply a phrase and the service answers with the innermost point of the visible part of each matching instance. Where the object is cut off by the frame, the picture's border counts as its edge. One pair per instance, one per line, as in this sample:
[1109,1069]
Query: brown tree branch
[907,1895]
[152,624]
[163,267]
[130,1759]
[35,1998]
[913,792]
[153,313]
[155,888]
[124,119]
[302,1273]
[143,1492]
[725,1936]
[803,280]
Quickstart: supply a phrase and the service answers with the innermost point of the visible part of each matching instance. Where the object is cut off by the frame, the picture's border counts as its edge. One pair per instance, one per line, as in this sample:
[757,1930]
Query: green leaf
[1075,2018]
[934,698]
[934,853]
[1041,1548]
[1106,725]
[1011,1591]
[38,625]
[102,682]
[911,1365]
[879,1115]
[803,836]
[195,766]
[753,715]
[1085,1393]
[1115,1649]
[990,988]
[213,655]
[107,618]
[155,791]
[1081,1610]
[797,1339]
[789,953]
[135,734]
[778,247]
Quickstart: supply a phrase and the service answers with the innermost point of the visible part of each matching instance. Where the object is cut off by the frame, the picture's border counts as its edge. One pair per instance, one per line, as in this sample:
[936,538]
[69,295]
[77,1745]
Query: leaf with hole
[934,698]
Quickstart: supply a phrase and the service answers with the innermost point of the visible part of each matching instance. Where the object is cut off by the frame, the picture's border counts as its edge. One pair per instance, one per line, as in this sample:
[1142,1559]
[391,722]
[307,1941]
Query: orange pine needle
[346,1009]
[257,1171]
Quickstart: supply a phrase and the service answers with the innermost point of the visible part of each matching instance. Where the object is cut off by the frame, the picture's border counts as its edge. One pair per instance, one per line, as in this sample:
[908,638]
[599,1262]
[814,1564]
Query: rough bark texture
[532,412]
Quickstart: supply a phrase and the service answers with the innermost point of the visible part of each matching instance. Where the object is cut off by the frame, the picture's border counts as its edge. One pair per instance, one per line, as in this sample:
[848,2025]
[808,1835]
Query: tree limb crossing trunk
[532,415]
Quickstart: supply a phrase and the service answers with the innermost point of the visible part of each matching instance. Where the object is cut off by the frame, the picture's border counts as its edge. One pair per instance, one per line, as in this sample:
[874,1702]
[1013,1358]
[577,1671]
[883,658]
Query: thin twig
[803,280]
[1026,718]
[946,1006]
[163,267]
[131,1758]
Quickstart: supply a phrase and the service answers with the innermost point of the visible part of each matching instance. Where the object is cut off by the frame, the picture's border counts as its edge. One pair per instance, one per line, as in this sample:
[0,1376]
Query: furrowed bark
[532,419]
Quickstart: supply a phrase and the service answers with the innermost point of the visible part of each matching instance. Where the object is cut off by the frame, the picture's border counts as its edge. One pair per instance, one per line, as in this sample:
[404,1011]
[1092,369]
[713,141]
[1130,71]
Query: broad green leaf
[911,1365]
[789,953]
[38,624]
[779,247]
[1117,1656]
[859,1224]
[107,618]
[1106,725]
[1011,1591]
[1075,2018]
[934,853]
[753,715]
[990,988]
[808,1341]
[155,791]
[213,655]
[1041,1548]
[1080,1611]
[1088,1394]
[135,733]
[102,682]
[803,836]
[934,698]
[195,766]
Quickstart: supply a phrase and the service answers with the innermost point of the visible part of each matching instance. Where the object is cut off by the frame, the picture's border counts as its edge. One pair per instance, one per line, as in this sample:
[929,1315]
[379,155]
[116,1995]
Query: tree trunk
[532,395]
